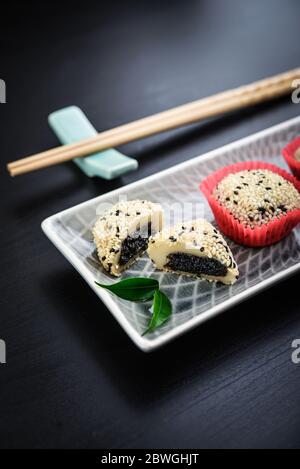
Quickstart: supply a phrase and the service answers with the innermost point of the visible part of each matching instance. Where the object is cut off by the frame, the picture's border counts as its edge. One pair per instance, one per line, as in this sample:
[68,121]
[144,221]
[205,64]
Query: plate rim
[141,342]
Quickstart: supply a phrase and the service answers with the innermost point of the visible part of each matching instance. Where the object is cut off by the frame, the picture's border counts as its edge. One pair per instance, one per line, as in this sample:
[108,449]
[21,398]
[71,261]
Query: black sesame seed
[202,249]
[138,213]
[262,210]
[103,258]
[228,199]
[236,193]
[196,264]
[171,238]
[235,202]
[112,250]
[118,212]
[268,188]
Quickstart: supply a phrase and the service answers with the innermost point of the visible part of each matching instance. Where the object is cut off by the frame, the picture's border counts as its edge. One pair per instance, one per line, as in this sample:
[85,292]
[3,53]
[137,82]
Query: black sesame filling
[192,264]
[134,245]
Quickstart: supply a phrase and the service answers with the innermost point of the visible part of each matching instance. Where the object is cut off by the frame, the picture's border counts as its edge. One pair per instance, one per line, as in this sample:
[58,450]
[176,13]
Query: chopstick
[243,90]
[220,103]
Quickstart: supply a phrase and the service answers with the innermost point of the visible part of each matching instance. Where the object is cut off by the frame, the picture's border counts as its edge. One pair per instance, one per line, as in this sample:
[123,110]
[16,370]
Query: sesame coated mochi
[121,234]
[195,249]
[256,197]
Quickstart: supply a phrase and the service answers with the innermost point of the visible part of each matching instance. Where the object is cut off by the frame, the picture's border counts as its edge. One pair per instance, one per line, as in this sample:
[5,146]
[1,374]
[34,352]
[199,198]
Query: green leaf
[133,289]
[162,310]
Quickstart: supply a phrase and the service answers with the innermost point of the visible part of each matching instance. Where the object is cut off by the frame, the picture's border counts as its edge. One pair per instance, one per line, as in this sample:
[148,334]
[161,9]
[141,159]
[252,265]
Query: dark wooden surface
[73,378]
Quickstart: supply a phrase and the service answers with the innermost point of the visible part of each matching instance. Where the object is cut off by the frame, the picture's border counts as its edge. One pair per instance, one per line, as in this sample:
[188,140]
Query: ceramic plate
[193,301]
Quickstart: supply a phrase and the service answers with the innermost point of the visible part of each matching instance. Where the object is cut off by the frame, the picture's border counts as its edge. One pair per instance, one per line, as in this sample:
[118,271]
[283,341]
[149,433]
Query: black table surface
[73,378]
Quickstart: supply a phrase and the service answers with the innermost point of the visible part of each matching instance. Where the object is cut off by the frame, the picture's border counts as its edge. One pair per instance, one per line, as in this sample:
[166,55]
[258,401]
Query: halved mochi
[122,233]
[196,249]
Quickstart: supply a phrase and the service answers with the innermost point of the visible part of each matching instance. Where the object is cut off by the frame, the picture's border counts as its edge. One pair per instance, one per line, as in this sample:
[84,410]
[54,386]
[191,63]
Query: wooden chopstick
[227,101]
[131,132]
[241,91]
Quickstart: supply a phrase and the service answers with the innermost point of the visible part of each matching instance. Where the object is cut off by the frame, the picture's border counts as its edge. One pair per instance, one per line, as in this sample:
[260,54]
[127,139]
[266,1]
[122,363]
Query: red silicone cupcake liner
[289,156]
[265,235]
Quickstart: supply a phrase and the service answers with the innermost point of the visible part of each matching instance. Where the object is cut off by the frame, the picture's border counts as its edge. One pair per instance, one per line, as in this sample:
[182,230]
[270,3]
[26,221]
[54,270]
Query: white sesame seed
[255,197]
[120,221]
[200,238]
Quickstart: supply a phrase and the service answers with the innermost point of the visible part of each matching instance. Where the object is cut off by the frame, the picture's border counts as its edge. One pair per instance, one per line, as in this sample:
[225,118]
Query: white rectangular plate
[193,301]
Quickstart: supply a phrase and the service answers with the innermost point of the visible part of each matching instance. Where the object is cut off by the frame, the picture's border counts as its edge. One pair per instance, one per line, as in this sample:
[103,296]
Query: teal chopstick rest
[71,125]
